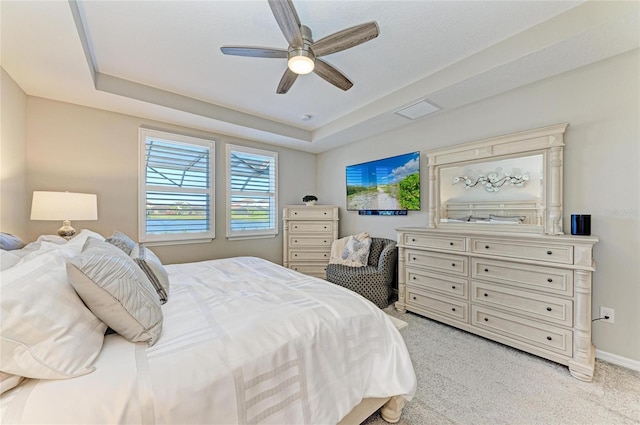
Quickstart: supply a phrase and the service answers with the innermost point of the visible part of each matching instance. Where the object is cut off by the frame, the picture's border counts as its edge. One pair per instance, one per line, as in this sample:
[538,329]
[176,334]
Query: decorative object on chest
[309,232]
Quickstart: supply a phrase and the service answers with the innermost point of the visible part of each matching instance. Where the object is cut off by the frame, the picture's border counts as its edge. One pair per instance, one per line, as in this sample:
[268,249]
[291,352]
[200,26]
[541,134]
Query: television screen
[386,184]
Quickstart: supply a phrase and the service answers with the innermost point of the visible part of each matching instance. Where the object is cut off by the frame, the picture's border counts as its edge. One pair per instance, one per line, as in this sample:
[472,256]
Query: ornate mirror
[510,183]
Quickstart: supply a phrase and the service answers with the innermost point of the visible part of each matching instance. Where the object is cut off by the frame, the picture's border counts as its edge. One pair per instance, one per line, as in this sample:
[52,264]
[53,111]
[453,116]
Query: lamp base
[66,231]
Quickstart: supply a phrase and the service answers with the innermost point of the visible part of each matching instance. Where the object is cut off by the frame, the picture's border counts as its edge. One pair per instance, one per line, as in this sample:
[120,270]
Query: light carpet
[466,379]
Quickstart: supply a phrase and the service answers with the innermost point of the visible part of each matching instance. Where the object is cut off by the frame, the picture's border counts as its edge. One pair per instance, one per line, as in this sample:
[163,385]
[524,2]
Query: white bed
[243,341]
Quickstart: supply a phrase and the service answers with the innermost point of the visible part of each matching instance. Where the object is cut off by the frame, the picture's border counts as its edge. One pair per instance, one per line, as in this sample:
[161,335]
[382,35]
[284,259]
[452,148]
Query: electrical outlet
[609,312]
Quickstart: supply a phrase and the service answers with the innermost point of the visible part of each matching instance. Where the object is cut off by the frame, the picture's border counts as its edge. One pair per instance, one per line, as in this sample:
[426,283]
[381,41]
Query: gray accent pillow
[10,242]
[117,291]
[122,241]
[153,268]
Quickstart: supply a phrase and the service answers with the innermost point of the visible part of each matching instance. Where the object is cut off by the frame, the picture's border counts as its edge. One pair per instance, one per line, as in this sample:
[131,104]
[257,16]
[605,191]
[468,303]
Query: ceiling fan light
[301,61]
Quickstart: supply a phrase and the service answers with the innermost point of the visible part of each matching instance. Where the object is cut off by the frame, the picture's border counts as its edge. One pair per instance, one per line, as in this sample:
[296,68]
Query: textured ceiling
[162,59]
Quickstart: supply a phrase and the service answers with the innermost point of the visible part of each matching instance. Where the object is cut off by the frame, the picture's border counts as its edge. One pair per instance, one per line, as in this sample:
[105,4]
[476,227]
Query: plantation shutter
[252,209]
[177,187]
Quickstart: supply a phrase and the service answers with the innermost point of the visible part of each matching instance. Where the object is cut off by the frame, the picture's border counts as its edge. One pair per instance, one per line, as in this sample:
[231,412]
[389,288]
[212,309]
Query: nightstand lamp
[65,206]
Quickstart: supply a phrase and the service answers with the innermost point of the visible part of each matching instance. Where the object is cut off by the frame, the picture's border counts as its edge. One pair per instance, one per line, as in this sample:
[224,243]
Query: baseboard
[618,360]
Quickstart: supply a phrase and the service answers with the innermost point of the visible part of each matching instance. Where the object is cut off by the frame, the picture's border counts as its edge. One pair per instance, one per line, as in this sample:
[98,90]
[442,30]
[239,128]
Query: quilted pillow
[153,268]
[46,331]
[117,291]
[122,241]
[356,251]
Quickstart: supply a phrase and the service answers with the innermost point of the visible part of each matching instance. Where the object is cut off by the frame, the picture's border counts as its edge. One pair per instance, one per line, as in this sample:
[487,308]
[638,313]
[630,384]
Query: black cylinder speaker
[581,224]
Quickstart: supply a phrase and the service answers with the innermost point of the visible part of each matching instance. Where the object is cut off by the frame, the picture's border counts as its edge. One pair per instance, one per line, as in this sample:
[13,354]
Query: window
[176,201]
[252,208]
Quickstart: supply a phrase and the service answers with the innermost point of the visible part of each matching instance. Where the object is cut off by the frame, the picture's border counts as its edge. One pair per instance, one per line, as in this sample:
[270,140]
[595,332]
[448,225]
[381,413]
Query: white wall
[602,172]
[13,158]
[80,149]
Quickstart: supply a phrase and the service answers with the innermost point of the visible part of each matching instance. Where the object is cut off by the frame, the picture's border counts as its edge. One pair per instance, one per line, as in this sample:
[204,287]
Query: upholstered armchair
[373,281]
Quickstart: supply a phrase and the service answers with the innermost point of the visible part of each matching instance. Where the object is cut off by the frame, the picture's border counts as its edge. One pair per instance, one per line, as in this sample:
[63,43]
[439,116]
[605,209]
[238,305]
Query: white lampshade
[64,206]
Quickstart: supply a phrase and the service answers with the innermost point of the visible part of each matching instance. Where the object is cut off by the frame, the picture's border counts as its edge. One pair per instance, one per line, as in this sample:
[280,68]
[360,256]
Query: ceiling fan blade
[332,75]
[345,39]
[256,52]
[288,21]
[286,81]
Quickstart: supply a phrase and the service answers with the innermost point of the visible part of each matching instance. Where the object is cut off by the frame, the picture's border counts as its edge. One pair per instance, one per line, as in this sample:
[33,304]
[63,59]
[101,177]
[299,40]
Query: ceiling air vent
[417,110]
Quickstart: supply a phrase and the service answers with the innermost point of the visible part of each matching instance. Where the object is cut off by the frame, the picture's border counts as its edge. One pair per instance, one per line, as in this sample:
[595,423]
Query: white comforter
[244,341]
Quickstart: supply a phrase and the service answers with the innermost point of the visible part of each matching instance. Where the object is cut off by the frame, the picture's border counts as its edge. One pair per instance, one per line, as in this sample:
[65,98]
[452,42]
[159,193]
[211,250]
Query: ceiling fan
[303,53]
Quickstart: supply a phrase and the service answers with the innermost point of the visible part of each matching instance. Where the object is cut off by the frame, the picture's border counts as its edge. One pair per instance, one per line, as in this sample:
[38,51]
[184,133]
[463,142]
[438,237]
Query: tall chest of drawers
[531,292]
[309,232]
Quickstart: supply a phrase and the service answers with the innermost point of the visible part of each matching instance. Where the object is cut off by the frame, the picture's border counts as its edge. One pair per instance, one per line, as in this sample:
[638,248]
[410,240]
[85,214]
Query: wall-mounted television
[389,184]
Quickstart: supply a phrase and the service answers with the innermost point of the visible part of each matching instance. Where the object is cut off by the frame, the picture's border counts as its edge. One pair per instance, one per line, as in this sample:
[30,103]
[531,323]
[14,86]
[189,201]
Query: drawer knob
[414,258]
[296,241]
[549,338]
[325,227]
[295,213]
[413,240]
[548,308]
[453,264]
[549,252]
[325,213]
[451,243]
[486,247]
[486,319]
[414,278]
[325,255]
[453,286]
[414,298]
[549,280]
[295,255]
[325,241]
[453,309]
[486,270]
[486,295]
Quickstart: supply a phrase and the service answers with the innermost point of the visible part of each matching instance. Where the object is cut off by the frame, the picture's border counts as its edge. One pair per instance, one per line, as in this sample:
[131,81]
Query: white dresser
[309,232]
[528,291]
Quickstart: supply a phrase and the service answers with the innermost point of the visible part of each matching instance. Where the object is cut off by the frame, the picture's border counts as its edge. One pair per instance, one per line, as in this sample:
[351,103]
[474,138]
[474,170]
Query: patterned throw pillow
[122,241]
[357,251]
[153,268]
[117,291]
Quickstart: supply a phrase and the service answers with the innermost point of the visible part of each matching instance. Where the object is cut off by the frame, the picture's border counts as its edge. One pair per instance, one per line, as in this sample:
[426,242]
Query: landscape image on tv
[386,184]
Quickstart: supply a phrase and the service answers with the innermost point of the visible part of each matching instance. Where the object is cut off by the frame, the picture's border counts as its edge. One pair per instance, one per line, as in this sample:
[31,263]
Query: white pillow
[357,251]
[117,291]
[153,268]
[46,330]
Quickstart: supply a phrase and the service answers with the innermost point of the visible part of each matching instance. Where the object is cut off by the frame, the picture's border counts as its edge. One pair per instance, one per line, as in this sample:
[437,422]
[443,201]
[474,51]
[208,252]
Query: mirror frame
[548,141]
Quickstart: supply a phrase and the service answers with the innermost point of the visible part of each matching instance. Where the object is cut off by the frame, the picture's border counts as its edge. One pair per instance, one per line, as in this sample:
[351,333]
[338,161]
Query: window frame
[251,234]
[178,139]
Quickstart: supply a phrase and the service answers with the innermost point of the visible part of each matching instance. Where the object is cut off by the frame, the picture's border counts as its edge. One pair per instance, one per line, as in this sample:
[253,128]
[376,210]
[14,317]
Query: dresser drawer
[436,261]
[317,270]
[310,255]
[452,243]
[524,330]
[296,227]
[310,241]
[443,306]
[448,285]
[550,309]
[540,278]
[317,212]
[525,250]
